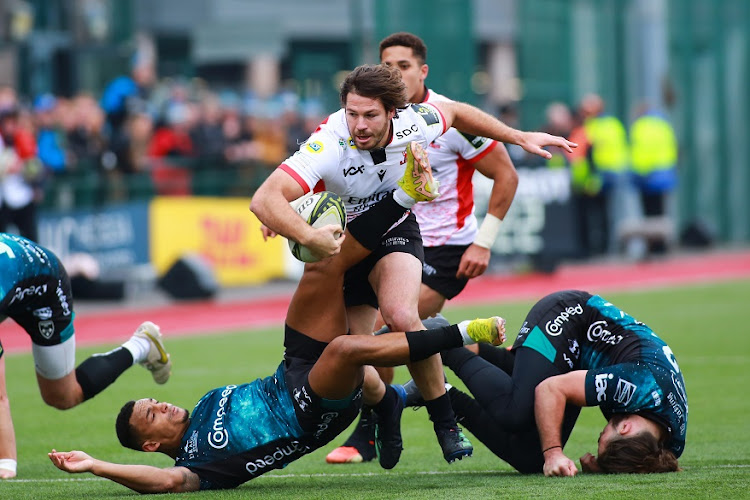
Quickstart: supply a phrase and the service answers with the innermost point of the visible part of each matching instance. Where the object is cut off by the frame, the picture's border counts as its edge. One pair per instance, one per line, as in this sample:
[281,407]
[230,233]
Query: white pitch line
[356,474]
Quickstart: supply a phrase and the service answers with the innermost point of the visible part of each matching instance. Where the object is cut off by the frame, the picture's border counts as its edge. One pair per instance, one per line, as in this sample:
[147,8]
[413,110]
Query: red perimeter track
[190,318]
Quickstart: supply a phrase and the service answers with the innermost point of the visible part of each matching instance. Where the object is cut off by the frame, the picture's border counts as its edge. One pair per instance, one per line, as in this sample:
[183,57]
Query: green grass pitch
[706,326]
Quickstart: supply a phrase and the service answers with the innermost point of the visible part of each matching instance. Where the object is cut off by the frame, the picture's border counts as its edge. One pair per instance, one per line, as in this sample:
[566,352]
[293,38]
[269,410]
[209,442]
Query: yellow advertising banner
[222,230]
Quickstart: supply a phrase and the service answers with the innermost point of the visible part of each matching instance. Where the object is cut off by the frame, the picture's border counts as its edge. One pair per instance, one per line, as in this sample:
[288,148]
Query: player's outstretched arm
[140,478]
[472,120]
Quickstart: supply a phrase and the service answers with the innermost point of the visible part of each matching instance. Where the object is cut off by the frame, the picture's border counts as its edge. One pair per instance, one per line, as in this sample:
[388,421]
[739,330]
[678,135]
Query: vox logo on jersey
[354,170]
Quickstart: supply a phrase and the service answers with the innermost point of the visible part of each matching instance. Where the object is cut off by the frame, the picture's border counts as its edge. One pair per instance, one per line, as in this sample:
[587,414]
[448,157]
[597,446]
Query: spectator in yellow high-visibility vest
[654,154]
[596,171]
[653,159]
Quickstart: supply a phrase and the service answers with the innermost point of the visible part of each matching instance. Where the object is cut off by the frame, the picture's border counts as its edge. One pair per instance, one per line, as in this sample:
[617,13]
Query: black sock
[461,403]
[100,370]
[368,229]
[425,343]
[441,411]
[385,407]
[364,432]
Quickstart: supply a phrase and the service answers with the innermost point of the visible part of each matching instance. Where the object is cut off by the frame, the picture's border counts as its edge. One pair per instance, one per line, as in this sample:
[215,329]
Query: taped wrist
[488,231]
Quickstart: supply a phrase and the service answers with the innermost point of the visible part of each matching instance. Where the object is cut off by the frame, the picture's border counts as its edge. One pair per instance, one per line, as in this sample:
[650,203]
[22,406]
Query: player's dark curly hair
[376,81]
[125,432]
[641,454]
[404,39]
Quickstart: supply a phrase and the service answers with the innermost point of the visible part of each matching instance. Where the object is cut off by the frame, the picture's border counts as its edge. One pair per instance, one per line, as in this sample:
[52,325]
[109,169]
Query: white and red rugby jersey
[330,161]
[450,220]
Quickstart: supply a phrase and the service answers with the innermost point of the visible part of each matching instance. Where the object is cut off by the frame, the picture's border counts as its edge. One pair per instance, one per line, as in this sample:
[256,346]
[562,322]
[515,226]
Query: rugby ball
[318,210]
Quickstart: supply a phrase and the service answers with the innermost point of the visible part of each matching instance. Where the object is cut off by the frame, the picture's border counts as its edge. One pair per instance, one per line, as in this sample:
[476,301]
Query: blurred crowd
[622,175]
[141,136]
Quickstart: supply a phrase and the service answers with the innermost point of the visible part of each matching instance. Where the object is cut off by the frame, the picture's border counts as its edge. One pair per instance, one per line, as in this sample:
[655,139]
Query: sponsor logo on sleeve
[428,113]
[314,146]
[624,392]
[474,140]
[657,398]
[600,383]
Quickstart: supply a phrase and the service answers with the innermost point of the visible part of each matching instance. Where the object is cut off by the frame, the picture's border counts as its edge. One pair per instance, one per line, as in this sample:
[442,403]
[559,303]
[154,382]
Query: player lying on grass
[237,432]
[35,292]
[573,350]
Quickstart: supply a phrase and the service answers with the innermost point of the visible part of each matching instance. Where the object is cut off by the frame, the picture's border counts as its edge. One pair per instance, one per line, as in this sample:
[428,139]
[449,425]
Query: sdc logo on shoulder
[318,210]
[315,146]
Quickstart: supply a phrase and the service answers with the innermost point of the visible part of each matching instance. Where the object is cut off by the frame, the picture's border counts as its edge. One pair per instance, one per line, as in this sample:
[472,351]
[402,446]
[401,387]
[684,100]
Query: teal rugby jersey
[630,369]
[20,260]
[643,377]
[239,432]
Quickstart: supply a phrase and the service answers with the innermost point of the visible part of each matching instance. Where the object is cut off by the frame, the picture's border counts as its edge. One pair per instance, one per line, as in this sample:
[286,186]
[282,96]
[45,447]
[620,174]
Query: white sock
[462,328]
[138,347]
[402,198]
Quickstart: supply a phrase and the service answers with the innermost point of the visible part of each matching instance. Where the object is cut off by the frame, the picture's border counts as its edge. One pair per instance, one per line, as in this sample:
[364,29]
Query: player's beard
[375,139]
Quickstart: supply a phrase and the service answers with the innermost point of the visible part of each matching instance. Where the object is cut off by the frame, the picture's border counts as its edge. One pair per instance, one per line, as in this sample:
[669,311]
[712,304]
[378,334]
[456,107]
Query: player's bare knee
[402,319]
[344,348]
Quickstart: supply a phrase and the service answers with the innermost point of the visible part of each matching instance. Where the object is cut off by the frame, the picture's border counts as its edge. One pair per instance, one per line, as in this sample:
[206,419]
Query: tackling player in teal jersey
[238,432]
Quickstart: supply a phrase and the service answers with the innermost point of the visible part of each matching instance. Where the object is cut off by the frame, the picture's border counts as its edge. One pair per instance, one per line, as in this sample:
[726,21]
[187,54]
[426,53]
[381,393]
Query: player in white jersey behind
[359,152]
[454,249]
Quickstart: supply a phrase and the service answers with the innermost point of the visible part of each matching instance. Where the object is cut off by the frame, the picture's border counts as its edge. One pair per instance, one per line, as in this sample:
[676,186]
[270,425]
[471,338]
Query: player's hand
[589,464]
[326,241]
[474,262]
[557,464]
[533,142]
[267,233]
[71,461]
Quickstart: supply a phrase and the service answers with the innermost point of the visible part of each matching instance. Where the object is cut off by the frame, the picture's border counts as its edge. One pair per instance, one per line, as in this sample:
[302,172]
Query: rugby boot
[388,442]
[157,360]
[360,447]
[489,330]
[437,321]
[417,181]
[454,444]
